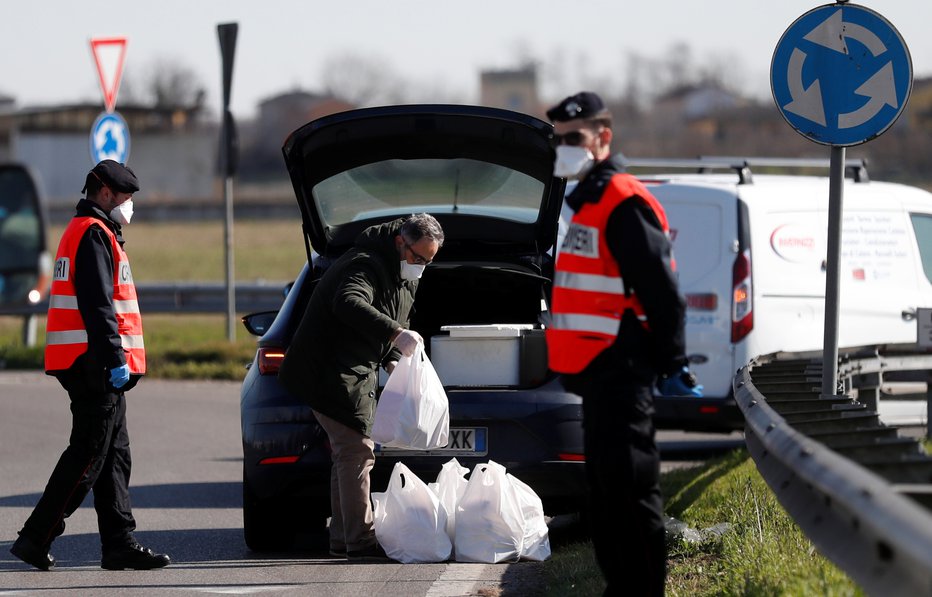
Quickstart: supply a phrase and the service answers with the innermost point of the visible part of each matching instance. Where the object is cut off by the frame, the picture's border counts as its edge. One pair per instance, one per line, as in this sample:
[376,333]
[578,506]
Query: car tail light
[571,457]
[742,309]
[279,460]
[702,302]
[270,359]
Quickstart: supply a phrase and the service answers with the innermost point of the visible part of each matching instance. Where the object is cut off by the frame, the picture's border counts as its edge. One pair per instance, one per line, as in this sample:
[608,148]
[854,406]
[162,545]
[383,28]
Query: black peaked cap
[584,104]
[119,177]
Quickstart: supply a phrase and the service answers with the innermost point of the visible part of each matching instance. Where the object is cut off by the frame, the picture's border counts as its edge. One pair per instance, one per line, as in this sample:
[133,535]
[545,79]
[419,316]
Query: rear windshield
[403,187]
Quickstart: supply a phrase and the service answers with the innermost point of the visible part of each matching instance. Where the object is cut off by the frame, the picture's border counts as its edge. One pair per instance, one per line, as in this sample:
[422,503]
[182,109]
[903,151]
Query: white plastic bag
[499,518]
[450,485]
[413,411]
[536,543]
[489,520]
[410,523]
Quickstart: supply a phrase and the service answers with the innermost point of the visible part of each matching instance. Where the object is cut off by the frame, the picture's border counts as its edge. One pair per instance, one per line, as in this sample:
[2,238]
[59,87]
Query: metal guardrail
[209,298]
[181,297]
[175,297]
[860,491]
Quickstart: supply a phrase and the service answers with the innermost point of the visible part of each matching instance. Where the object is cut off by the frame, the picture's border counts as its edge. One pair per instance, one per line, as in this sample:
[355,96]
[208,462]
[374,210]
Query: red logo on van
[797,243]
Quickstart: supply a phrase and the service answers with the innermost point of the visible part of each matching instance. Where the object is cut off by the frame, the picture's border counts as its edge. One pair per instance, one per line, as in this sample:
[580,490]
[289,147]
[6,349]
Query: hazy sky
[439,45]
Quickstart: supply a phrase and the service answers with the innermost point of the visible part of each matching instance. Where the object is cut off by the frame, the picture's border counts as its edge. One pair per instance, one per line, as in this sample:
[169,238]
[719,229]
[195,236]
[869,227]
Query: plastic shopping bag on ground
[536,543]
[489,520]
[450,485]
[413,411]
[410,523]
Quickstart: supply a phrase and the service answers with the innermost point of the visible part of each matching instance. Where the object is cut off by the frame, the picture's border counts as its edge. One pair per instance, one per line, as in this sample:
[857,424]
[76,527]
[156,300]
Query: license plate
[463,441]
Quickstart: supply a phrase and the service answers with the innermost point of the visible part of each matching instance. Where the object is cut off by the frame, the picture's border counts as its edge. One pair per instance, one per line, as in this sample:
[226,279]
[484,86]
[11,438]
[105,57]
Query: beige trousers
[351,509]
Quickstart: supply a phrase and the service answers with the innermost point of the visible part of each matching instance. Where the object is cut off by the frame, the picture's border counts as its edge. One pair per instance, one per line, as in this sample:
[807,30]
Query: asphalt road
[186,493]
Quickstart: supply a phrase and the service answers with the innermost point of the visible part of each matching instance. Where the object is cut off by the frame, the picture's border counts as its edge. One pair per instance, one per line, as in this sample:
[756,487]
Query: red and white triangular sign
[109,54]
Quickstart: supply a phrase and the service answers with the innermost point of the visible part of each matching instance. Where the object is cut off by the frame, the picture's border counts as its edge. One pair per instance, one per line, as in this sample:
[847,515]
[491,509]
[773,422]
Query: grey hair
[417,226]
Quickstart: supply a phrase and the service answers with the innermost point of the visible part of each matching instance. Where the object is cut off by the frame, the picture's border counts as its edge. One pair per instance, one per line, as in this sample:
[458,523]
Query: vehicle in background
[750,250]
[25,263]
[486,175]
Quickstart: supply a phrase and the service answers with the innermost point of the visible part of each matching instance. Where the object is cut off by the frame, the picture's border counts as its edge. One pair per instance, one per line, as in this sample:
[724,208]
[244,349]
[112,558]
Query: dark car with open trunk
[481,305]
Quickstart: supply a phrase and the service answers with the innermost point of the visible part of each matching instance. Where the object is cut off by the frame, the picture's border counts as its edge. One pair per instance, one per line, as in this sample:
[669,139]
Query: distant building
[512,90]
[279,116]
[692,103]
[173,150]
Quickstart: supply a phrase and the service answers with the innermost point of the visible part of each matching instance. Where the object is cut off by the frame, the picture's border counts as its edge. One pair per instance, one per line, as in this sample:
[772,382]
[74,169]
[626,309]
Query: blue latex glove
[681,383]
[119,376]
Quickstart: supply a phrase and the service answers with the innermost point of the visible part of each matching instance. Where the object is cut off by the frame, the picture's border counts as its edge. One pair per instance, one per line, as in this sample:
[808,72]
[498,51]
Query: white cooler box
[489,355]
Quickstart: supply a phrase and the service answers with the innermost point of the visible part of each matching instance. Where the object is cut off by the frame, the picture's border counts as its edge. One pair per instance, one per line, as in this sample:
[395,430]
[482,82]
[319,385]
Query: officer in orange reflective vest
[617,324]
[94,346]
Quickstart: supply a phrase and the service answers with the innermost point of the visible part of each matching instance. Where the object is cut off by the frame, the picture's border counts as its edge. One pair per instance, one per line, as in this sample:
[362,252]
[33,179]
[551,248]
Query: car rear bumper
[697,414]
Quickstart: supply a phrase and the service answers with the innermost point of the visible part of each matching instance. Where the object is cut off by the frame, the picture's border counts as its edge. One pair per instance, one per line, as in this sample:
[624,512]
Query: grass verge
[762,552]
[193,251]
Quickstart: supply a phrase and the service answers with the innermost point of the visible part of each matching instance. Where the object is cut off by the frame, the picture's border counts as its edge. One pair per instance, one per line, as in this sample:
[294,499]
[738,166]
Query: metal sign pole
[228,249]
[832,272]
[857,84]
[227,33]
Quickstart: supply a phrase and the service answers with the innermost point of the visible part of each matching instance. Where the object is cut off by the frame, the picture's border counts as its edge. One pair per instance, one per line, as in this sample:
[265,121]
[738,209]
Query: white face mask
[122,213]
[411,271]
[572,162]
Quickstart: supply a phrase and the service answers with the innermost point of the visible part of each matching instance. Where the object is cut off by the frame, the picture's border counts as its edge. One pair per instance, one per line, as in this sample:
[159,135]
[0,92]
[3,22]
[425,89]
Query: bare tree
[164,83]
[678,66]
[172,83]
[363,80]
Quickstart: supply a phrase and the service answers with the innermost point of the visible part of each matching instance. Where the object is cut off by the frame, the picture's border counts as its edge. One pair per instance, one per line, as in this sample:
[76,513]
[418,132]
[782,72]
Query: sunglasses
[572,138]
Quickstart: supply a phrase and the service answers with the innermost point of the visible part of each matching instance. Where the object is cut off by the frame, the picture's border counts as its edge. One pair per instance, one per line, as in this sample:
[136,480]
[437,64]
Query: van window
[922,225]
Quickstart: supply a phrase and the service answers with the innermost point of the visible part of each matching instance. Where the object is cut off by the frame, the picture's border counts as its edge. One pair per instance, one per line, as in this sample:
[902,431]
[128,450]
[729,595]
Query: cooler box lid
[495,330]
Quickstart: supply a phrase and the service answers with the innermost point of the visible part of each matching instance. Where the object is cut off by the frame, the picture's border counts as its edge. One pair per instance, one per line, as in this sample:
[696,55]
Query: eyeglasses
[418,259]
[572,138]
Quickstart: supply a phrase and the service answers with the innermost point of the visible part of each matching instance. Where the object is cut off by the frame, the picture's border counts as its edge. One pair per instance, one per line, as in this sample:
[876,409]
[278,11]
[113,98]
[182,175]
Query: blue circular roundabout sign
[110,138]
[841,75]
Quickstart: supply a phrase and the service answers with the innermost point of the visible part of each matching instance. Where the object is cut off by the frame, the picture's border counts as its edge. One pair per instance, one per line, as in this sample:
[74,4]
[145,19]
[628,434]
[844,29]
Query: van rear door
[704,229]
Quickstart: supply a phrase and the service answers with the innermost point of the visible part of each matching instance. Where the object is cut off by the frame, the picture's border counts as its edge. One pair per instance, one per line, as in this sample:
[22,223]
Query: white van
[750,250]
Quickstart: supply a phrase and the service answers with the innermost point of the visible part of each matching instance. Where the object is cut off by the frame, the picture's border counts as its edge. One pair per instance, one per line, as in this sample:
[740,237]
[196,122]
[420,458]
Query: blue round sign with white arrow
[109,138]
[841,74]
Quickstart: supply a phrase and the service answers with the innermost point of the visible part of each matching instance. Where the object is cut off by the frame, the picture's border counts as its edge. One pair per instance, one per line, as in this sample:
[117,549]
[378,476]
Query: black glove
[680,383]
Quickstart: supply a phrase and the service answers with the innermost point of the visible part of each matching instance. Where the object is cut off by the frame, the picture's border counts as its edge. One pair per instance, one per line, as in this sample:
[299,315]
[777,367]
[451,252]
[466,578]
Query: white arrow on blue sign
[841,75]
[109,138]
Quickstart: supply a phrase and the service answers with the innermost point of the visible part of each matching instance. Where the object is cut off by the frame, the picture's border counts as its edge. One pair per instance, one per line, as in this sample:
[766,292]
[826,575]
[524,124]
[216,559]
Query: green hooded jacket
[345,334]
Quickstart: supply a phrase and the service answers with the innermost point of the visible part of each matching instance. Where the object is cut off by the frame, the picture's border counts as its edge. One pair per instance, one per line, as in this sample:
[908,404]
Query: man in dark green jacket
[356,320]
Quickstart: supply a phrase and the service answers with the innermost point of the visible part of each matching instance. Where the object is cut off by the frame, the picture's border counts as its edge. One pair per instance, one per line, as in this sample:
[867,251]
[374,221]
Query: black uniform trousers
[97,457]
[623,474]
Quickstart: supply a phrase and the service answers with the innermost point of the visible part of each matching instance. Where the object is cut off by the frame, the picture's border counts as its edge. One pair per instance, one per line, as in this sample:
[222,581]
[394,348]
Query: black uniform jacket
[345,333]
[644,254]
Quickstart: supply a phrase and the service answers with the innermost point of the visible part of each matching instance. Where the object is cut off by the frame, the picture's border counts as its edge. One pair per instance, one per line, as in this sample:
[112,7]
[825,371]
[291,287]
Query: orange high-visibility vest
[588,299]
[66,336]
